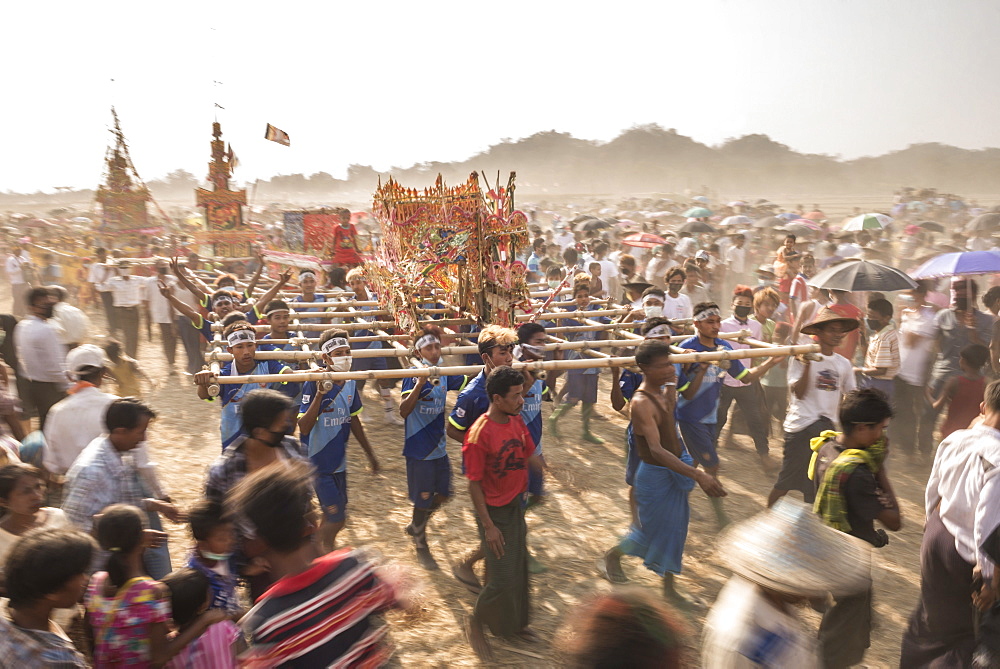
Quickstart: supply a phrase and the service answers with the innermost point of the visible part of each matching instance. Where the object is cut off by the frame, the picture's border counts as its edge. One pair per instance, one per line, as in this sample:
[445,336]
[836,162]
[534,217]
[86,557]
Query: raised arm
[199,294]
[273,290]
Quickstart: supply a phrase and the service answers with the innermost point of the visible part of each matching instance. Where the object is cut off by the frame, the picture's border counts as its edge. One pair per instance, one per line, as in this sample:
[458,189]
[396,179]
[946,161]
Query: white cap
[701,255]
[86,355]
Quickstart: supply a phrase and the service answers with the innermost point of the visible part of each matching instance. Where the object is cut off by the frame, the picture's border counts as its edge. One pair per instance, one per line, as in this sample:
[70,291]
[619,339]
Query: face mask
[276,438]
[124,272]
[653,311]
[872,324]
[961,303]
[554,284]
[161,270]
[47,312]
[742,312]
[533,351]
[341,363]
[218,557]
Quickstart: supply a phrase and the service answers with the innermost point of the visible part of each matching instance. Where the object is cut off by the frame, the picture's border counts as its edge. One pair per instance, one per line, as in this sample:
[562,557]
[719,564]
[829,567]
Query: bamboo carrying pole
[399,351]
[561,365]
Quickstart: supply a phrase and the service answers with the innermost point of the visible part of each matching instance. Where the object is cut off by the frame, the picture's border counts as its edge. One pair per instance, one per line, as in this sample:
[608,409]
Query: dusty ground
[586,511]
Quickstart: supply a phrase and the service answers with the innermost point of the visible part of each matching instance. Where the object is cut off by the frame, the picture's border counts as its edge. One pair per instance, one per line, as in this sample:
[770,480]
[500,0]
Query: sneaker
[392,419]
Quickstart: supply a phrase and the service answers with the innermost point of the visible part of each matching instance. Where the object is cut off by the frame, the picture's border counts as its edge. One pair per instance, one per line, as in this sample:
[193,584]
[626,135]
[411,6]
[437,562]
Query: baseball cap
[86,355]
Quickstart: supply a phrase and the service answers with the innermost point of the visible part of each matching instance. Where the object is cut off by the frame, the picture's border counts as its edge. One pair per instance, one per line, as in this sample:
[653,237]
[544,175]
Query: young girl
[963,392]
[780,259]
[125,370]
[128,612]
[190,595]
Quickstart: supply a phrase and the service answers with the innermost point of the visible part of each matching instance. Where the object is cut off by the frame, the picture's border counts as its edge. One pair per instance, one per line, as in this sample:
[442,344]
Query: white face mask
[554,284]
[341,363]
[653,311]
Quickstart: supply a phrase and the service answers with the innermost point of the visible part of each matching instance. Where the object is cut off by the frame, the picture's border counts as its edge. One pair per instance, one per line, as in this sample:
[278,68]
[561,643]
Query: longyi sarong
[661,498]
[941,632]
[503,603]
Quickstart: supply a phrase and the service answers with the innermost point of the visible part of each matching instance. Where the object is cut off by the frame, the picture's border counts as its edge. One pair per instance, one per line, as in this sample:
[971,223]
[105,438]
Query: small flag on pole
[275,135]
[233,160]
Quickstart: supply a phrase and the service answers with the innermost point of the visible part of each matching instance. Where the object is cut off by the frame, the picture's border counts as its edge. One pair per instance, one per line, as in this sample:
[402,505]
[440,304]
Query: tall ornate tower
[123,196]
[225,229]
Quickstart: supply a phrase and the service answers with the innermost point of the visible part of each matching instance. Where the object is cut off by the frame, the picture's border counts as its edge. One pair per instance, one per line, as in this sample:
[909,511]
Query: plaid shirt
[231,467]
[100,477]
[21,647]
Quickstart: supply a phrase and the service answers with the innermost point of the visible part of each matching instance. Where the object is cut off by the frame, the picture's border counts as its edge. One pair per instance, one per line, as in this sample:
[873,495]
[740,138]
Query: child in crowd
[46,571]
[214,538]
[781,256]
[125,370]
[963,392]
[127,611]
[596,285]
[190,597]
[322,609]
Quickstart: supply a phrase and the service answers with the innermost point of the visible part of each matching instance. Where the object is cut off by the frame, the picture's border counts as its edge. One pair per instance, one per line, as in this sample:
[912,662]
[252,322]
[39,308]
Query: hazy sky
[394,83]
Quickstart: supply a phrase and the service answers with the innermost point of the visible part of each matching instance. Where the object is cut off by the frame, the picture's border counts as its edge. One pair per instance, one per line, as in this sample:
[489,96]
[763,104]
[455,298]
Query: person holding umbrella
[956,327]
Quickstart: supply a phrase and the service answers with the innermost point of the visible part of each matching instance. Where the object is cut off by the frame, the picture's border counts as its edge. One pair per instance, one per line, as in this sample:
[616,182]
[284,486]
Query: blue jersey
[311,334]
[326,443]
[365,333]
[231,424]
[531,412]
[702,408]
[472,403]
[425,433]
[473,358]
[582,336]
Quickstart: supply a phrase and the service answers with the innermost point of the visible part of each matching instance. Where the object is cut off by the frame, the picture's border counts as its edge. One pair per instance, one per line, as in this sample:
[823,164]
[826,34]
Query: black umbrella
[592,224]
[931,226]
[697,227]
[581,218]
[860,275]
[989,221]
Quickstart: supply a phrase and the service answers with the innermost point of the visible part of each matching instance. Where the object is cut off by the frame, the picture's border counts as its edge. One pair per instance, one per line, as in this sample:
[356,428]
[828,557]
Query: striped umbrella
[867,222]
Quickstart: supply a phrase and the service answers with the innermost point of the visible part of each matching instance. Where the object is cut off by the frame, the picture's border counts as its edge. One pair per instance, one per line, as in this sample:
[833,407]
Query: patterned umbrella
[867,222]
[644,240]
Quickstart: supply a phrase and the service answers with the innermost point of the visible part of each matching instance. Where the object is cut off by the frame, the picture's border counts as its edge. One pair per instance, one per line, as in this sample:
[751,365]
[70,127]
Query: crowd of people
[266,582]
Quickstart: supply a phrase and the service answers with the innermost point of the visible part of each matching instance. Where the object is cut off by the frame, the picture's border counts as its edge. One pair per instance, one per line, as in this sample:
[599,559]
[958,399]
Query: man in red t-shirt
[497,452]
[345,241]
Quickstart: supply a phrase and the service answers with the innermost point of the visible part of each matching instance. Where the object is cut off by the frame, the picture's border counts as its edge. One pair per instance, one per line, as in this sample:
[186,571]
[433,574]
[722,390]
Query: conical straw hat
[788,549]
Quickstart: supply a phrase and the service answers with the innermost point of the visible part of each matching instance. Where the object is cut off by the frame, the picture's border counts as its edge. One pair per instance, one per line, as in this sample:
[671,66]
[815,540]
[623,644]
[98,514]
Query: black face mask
[742,312]
[961,303]
[276,437]
[161,270]
[873,324]
[46,313]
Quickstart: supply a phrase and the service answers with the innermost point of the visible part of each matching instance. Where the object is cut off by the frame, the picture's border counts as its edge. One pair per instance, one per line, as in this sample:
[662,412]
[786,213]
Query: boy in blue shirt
[700,387]
[428,468]
[326,420]
[242,344]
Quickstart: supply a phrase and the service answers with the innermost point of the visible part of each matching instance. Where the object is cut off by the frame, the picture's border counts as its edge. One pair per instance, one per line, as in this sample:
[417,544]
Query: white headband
[272,312]
[426,340]
[649,297]
[241,337]
[332,344]
[659,331]
[303,275]
[705,314]
[223,298]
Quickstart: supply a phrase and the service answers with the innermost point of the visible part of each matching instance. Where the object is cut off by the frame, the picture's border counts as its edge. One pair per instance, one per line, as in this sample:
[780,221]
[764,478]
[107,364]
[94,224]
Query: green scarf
[829,499]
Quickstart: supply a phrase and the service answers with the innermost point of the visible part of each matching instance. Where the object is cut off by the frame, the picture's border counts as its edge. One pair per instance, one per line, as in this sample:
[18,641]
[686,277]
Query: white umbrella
[737,220]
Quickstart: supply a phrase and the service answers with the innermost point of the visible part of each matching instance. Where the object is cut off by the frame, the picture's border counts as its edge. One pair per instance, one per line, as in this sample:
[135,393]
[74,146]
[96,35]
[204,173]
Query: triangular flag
[233,160]
[275,135]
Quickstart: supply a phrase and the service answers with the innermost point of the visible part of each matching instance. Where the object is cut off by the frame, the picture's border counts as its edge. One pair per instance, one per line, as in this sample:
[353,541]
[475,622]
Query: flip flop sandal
[602,568]
[472,586]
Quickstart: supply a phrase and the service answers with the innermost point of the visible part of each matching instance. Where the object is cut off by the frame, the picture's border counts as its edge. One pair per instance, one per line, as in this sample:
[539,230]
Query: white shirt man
[736,260]
[565,238]
[78,419]
[40,356]
[127,291]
